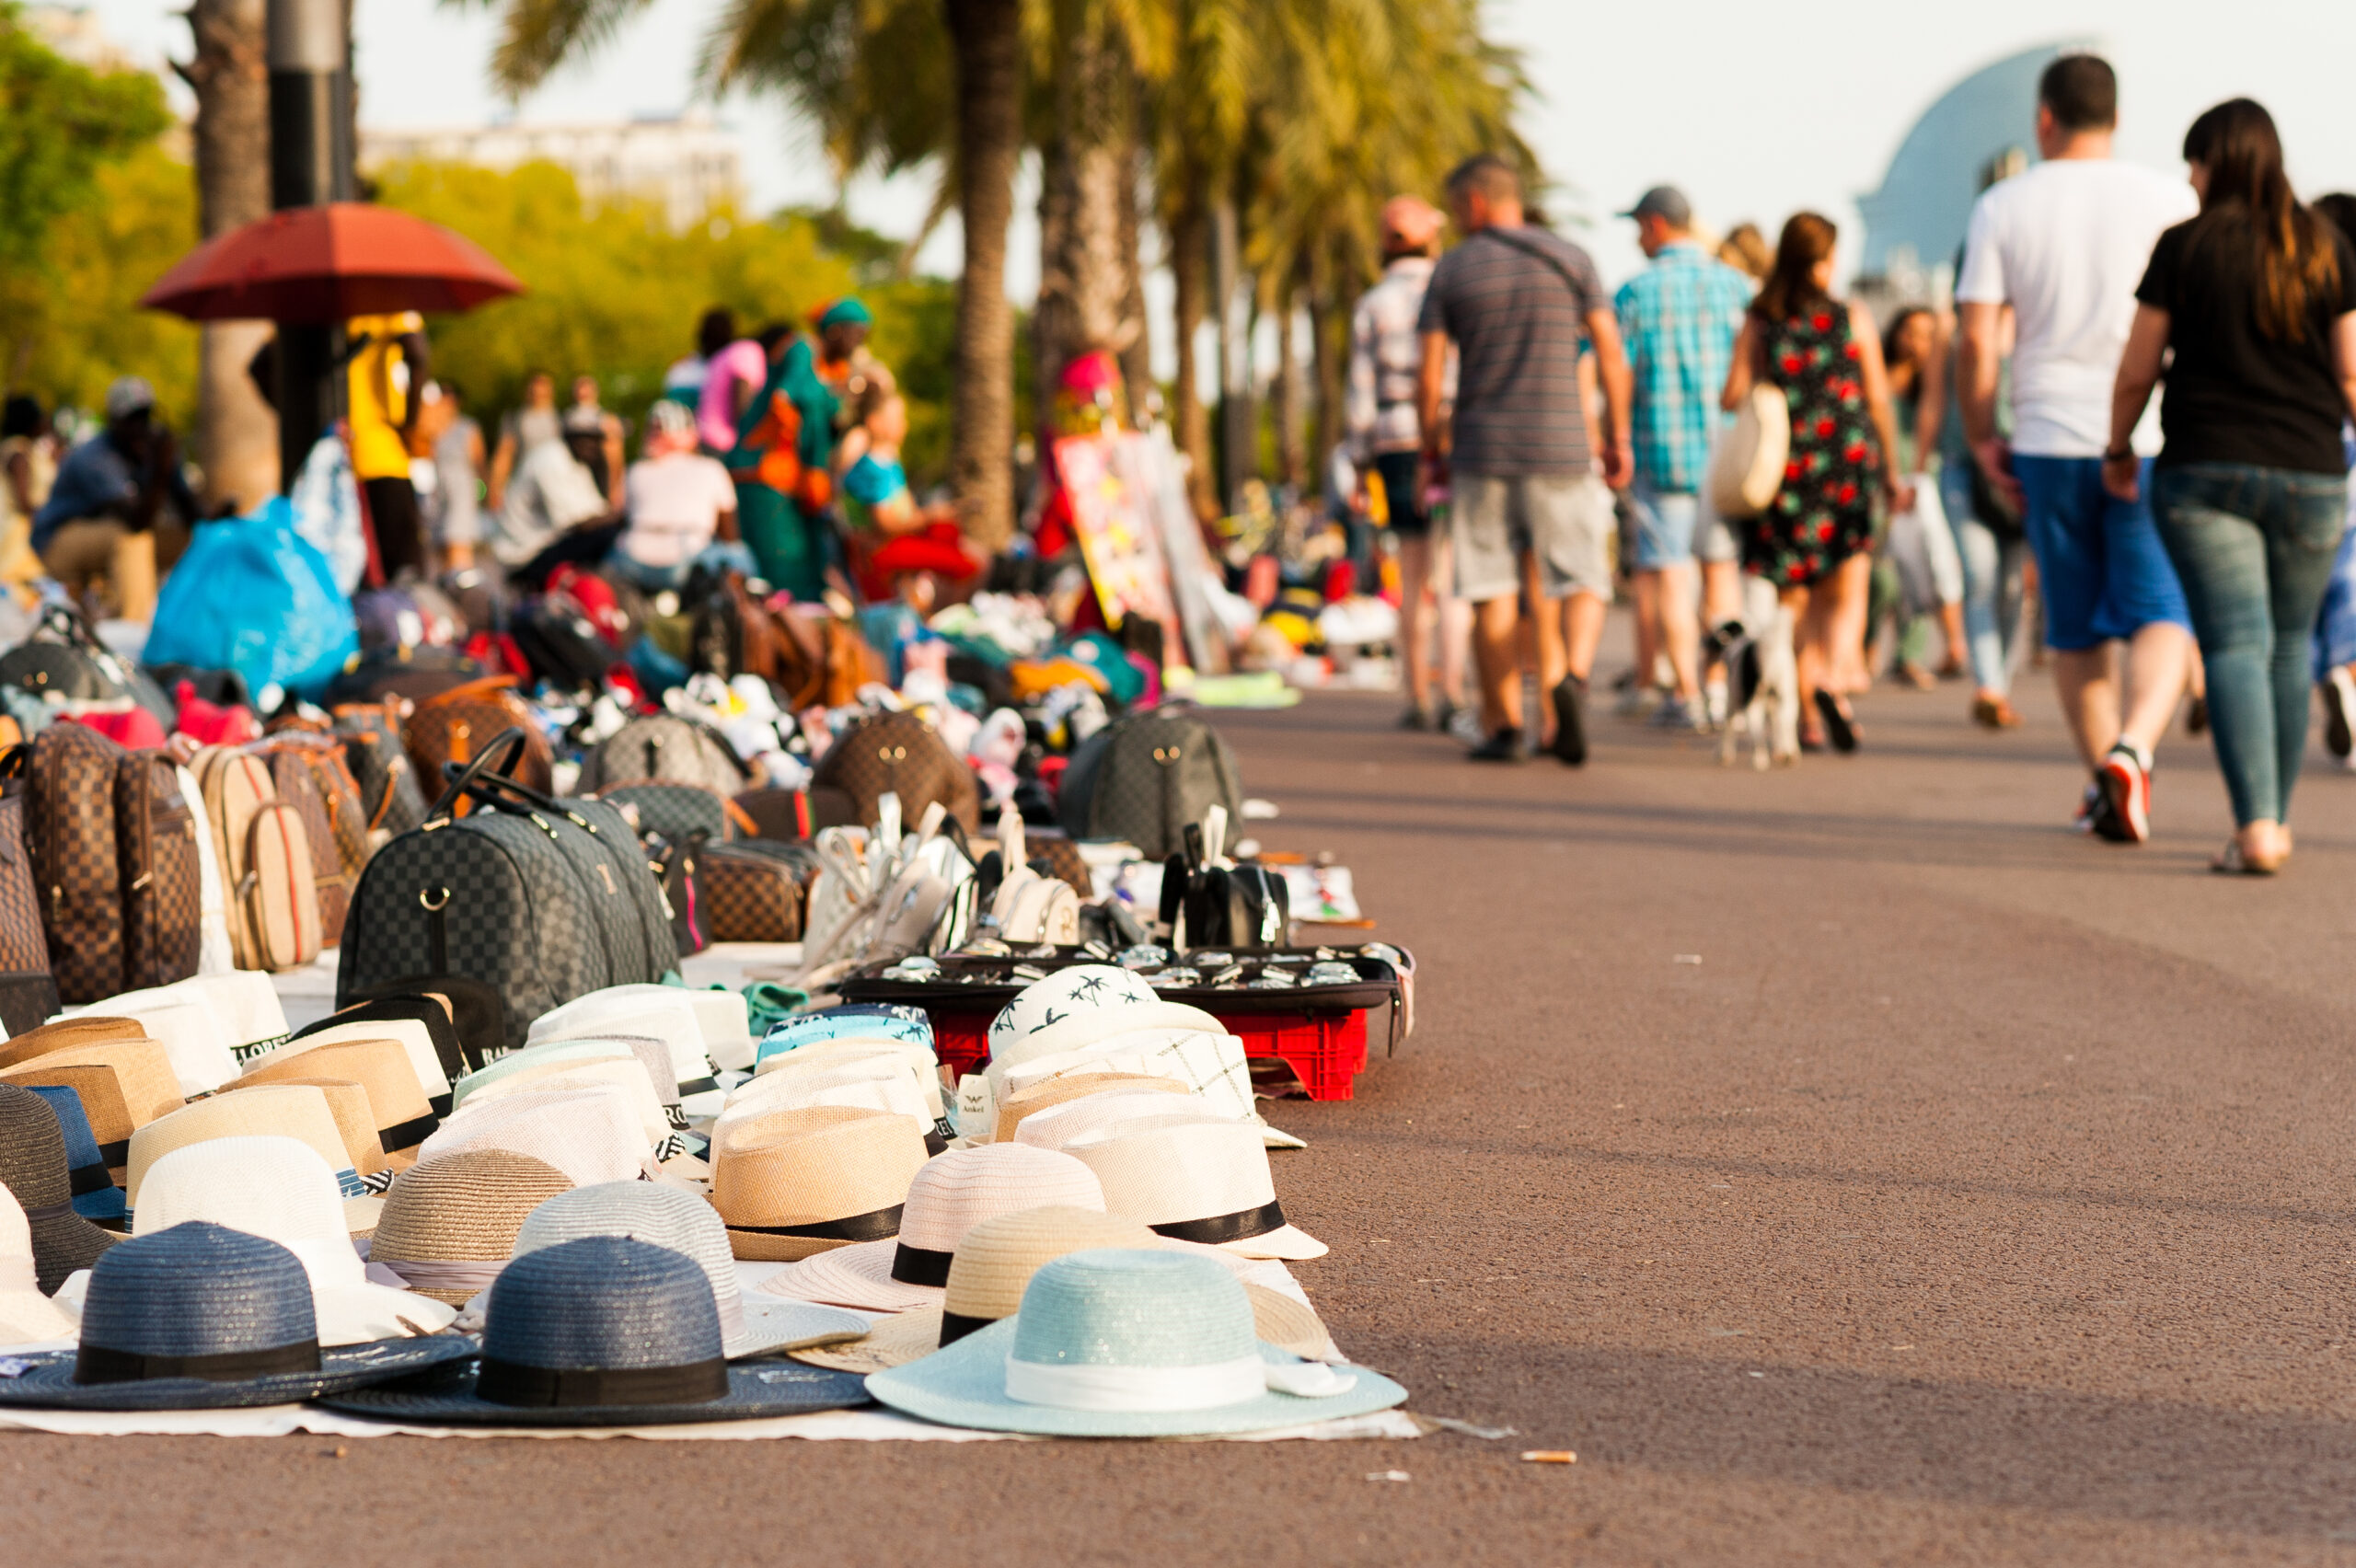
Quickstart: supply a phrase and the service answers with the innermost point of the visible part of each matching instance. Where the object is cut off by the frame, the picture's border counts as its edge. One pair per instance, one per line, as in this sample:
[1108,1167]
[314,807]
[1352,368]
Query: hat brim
[754,1392]
[358,1314]
[894,1342]
[27,1316]
[49,1384]
[66,1239]
[757,1247]
[774,1327]
[1287,1243]
[859,1275]
[964,1385]
[359,1215]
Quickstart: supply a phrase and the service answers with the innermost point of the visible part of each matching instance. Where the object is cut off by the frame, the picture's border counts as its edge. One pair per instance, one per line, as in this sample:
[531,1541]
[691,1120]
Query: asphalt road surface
[1849,1163]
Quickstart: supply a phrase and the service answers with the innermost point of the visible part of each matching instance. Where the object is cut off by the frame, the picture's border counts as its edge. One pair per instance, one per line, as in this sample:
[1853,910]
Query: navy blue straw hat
[202,1317]
[95,1194]
[33,1168]
[606,1332]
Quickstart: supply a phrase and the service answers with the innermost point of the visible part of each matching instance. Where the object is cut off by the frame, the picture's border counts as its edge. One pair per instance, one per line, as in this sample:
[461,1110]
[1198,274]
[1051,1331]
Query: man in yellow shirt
[389,360]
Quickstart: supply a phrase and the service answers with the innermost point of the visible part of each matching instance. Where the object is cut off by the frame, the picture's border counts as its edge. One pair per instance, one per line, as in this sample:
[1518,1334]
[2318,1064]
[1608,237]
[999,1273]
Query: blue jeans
[1666,521]
[1991,582]
[2254,546]
[2336,623]
[2101,570]
[720,554]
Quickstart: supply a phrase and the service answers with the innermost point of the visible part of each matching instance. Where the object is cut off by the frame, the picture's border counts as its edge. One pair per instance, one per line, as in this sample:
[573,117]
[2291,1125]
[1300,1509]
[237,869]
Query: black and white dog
[1763,679]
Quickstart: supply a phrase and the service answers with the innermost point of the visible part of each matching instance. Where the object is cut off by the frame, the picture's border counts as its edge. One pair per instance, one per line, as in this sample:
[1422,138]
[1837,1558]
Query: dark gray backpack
[1145,777]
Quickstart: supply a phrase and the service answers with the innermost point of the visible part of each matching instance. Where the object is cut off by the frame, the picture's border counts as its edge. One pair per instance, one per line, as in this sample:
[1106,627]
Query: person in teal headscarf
[784,443]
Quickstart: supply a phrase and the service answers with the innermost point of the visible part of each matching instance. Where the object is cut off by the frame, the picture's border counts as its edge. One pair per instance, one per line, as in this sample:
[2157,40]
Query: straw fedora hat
[827,1055]
[1091,1115]
[876,1087]
[27,1316]
[1203,1181]
[396,1098]
[607,1331]
[88,1029]
[280,1189]
[948,1197]
[32,1167]
[100,1093]
[184,1024]
[244,1000]
[95,1194]
[1027,1103]
[591,1134]
[668,1018]
[722,1016]
[788,1183]
[648,1052]
[288,1110]
[355,1119]
[1128,1343]
[150,1088]
[450,1222]
[202,1317]
[996,1261]
[624,1074]
[647,1210]
[415,1039]
[405,1018]
[885,1021]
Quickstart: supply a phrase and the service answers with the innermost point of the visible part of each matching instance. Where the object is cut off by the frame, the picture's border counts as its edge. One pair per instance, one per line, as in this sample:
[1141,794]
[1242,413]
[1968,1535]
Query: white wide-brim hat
[722,1017]
[1093,1115]
[1082,1006]
[590,1133]
[952,1193]
[279,1188]
[627,1074]
[1203,1181]
[668,1018]
[877,1086]
[922,1068]
[193,1035]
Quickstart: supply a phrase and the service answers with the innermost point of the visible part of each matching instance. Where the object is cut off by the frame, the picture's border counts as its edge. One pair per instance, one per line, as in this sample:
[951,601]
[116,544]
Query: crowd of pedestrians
[2006,454]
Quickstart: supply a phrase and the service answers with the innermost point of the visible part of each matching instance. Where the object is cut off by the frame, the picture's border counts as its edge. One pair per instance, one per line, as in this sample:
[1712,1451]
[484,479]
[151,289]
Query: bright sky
[1726,97]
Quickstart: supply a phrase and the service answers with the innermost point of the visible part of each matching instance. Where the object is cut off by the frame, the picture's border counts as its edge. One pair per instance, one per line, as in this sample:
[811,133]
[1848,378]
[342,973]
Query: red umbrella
[324,264]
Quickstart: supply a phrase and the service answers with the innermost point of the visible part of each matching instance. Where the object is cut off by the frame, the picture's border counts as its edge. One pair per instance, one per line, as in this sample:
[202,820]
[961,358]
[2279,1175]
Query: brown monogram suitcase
[901,753]
[745,895]
[299,787]
[163,887]
[70,837]
[457,725]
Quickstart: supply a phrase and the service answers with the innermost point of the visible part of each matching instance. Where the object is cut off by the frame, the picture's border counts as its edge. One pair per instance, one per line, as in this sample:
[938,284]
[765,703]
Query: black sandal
[1839,727]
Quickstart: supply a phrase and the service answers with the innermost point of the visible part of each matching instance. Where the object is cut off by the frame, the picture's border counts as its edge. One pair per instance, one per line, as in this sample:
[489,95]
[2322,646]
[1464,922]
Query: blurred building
[690,163]
[1914,224]
[76,32]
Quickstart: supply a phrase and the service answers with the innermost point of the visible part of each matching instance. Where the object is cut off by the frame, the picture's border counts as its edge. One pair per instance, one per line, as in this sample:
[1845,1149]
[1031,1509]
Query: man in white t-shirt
[2063,246]
[677,503]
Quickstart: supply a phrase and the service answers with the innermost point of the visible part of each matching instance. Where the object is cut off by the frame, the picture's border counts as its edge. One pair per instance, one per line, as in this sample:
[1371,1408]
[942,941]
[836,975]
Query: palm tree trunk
[1089,179]
[1329,362]
[1190,267]
[237,434]
[987,34]
[1292,447]
[1137,358]
[1238,424]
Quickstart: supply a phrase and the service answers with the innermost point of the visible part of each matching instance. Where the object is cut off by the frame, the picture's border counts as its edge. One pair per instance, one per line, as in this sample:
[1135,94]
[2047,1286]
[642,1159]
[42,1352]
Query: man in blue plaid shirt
[1680,317]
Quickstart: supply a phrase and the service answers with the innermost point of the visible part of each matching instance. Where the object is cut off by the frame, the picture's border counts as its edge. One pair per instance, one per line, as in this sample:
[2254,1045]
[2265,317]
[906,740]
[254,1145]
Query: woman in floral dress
[1811,541]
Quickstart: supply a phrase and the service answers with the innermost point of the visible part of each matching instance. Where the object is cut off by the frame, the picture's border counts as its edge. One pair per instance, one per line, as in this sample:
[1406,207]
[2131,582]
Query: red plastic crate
[1325,1051]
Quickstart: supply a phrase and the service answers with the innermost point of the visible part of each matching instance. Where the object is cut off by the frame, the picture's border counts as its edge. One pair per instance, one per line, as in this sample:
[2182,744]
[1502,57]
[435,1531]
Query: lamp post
[311,159]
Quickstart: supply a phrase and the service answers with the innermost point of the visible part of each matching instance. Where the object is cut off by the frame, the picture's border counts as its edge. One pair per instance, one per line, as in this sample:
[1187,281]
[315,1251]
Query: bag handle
[473,775]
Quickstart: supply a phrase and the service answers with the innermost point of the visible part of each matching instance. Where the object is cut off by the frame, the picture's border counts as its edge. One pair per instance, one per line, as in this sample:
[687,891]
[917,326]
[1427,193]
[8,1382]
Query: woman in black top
[2255,298]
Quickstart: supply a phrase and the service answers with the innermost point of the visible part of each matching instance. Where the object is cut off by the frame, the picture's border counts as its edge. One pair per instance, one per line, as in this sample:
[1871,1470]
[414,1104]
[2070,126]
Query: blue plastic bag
[253,596]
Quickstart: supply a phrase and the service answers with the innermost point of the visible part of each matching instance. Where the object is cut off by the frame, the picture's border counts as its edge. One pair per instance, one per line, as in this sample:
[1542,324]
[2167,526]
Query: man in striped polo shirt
[1518,301]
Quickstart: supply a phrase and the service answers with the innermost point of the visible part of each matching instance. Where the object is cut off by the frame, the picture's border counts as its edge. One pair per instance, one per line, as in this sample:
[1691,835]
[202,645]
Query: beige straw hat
[355,1119]
[396,1098]
[102,1105]
[791,1183]
[27,1316]
[1039,1097]
[450,1222]
[625,1073]
[142,1073]
[283,1110]
[591,1134]
[1198,1182]
[416,1042]
[88,1029]
[951,1196]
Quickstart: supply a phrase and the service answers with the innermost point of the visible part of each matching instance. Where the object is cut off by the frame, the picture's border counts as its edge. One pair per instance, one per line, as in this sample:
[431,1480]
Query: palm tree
[237,435]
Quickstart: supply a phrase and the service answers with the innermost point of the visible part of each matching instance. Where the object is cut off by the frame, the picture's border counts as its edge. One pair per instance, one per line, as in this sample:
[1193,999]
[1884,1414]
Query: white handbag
[1747,464]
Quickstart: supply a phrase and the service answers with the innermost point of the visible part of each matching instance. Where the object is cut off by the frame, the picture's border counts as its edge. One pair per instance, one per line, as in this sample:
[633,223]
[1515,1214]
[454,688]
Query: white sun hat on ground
[1203,1181]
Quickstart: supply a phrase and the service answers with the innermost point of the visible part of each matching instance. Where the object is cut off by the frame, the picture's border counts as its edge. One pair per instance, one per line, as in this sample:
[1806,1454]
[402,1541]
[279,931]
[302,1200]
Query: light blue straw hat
[1117,1343]
[650,1053]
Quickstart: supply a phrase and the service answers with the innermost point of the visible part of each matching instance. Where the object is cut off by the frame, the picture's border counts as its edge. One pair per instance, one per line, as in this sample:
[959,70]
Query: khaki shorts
[1565,520]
